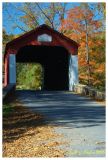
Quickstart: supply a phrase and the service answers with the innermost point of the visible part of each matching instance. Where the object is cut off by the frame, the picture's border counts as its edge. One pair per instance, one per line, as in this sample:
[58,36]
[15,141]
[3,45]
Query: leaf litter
[25,134]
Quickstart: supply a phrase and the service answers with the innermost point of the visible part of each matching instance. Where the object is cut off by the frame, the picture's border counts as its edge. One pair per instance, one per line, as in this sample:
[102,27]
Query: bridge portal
[55,52]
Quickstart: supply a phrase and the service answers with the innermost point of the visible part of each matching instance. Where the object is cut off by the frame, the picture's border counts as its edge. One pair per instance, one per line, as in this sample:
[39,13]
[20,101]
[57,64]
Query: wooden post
[12,69]
[6,71]
[73,71]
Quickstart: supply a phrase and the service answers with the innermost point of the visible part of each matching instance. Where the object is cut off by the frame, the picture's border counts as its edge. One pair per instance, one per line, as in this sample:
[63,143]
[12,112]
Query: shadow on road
[64,108]
[58,108]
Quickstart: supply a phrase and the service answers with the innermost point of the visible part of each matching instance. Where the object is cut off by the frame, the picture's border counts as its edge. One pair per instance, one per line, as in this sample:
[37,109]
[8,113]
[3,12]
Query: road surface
[79,119]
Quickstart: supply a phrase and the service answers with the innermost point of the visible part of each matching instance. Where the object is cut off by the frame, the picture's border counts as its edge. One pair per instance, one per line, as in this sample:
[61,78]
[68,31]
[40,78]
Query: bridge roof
[42,29]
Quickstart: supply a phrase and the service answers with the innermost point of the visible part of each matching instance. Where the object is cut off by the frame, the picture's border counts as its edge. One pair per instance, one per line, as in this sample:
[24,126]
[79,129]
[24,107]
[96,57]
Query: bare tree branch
[45,15]
[10,17]
[27,13]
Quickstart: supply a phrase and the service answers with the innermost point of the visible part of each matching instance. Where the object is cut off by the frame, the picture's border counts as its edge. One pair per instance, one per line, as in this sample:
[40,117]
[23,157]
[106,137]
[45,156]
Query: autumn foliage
[81,26]
[82,22]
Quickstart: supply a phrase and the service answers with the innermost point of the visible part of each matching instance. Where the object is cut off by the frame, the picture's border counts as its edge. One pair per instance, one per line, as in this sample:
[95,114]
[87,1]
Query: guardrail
[88,91]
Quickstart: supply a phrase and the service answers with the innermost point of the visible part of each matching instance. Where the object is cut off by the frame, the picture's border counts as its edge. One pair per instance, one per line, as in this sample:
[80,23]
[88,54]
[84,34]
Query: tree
[6,39]
[82,26]
[32,15]
[53,13]
[29,76]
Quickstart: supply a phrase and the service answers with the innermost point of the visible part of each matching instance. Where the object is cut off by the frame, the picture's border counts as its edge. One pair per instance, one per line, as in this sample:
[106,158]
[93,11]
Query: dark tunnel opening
[54,60]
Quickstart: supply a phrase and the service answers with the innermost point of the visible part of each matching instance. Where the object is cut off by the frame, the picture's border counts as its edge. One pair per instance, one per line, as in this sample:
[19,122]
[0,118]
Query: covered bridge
[55,52]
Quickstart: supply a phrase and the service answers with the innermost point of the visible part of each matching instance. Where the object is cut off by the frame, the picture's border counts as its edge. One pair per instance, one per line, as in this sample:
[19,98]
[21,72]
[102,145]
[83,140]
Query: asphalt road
[80,120]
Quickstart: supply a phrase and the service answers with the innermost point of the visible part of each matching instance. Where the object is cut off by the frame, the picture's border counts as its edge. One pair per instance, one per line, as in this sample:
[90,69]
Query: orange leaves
[76,12]
[82,44]
[76,19]
[96,82]
[101,68]
[79,25]
[92,63]
[85,77]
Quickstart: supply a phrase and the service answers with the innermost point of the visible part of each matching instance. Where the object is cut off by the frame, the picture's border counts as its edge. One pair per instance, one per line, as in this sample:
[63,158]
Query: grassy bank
[7,108]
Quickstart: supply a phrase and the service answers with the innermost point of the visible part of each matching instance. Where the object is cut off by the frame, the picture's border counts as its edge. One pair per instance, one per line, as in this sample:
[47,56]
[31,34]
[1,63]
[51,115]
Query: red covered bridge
[54,51]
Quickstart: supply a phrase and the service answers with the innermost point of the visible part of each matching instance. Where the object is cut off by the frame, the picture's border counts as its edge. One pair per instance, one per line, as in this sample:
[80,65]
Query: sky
[11,15]
[8,21]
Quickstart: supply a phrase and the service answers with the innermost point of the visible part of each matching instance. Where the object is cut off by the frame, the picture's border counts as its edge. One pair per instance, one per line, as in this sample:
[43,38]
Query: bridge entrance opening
[54,60]
[29,76]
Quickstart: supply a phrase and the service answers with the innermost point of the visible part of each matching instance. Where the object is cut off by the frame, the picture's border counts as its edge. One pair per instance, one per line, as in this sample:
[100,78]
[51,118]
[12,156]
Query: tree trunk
[87,54]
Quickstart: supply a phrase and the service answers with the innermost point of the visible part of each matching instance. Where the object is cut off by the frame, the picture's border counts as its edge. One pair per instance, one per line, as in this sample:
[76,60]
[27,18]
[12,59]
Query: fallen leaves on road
[25,134]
